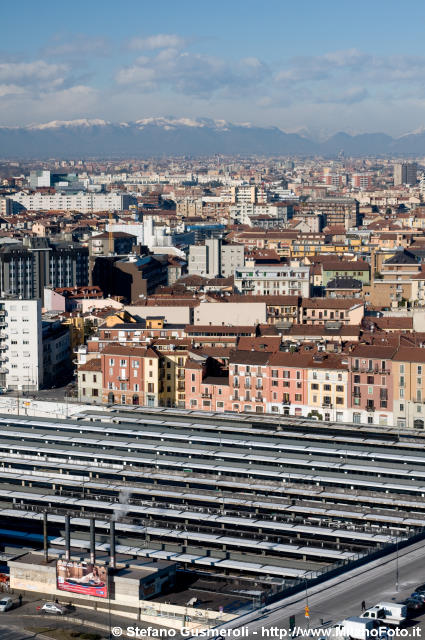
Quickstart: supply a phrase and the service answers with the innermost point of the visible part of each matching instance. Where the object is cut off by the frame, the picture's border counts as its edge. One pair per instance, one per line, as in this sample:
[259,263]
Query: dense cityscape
[212,320]
[285,286]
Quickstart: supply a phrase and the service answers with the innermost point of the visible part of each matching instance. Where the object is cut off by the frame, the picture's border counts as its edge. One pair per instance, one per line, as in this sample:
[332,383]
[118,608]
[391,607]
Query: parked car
[413,603]
[418,595]
[6,604]
[53,607]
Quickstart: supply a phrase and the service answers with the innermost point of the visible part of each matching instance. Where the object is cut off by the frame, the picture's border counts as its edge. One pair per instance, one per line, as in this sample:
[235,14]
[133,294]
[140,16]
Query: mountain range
[183,136]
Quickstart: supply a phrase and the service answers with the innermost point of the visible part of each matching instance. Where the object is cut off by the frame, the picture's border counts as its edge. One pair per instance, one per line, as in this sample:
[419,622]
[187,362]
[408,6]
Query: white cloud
[159,41]
[10,89]
[80,46]
[192,73]
[32,73]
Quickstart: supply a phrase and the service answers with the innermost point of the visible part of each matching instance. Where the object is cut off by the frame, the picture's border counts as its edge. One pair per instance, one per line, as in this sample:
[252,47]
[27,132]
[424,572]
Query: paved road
[13,633]
[342,597]
[26,616]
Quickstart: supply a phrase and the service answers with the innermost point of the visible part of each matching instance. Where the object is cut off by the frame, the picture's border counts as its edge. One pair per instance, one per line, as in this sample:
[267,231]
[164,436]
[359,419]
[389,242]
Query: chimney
[45,539]
[67,537]
[112,544]
[92,541]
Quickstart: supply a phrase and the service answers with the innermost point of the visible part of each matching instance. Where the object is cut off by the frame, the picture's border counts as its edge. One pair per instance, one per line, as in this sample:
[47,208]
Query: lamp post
[396,567]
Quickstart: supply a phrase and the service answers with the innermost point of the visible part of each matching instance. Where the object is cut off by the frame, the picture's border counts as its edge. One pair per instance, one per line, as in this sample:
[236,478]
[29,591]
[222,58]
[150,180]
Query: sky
[300,65]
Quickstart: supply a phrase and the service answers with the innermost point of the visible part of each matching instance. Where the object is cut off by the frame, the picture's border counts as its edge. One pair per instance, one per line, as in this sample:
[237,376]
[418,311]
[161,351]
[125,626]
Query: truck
[390,613]
[356,628]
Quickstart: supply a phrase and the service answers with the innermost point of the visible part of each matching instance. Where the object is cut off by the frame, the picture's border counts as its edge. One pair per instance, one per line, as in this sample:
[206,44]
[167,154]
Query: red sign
[82,577]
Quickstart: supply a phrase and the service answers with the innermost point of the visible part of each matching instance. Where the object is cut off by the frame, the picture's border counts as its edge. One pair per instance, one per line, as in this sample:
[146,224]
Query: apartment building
[82,201]
[215,258]
[21,346]
[408,369]
[246,212]
[327,384]
[324,310]
[405,173]
[26,270]
[270,279]
[371,384]
[336,211]
[130,375]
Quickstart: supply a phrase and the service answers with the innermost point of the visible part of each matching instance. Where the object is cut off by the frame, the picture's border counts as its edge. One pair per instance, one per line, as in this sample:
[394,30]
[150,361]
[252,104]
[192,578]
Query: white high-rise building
[82,201]
[21,347]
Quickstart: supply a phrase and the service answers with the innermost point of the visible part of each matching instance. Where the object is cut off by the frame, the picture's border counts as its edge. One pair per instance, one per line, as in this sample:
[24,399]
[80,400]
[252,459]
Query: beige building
[215,258]
[90,381]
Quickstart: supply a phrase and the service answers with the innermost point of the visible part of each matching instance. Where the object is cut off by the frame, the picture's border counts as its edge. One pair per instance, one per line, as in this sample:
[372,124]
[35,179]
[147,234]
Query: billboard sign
[82,577]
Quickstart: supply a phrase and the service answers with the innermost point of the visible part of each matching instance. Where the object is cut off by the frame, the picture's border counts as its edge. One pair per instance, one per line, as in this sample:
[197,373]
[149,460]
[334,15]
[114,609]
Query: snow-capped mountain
[187,136]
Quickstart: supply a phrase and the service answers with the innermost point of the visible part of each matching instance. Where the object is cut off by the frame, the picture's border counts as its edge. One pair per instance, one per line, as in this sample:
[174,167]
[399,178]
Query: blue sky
[321,66]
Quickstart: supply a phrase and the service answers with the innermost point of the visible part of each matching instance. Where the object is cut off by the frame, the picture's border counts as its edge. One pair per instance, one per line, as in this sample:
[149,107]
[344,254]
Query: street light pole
[396,570]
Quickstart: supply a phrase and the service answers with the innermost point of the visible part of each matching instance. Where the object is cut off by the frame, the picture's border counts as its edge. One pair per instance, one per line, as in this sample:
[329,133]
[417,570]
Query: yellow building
[171,376]
[76,331]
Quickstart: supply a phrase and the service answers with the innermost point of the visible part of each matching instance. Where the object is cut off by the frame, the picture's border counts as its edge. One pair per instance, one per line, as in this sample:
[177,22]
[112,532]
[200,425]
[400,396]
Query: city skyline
[315,69]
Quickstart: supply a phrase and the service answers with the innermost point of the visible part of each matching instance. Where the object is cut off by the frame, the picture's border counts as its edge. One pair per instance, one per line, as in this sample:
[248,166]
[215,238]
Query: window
[123,363]
[111,362]
[135,364]
[298,397]
[315,386]
[356,418]
[339,388]
[327,387]
[339,400]
[357,379]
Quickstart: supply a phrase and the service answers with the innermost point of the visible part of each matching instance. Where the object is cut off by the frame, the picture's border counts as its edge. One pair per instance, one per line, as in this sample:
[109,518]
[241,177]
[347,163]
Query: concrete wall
[42,408]
[39,578]
[230,313]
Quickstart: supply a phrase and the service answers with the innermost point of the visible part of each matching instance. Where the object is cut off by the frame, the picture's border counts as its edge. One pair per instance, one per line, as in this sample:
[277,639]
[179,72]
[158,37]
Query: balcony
[122,378]
[370,407]
[206,395]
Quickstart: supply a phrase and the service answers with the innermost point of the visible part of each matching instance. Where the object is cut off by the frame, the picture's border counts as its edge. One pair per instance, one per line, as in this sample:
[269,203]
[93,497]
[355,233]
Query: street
[14,623]
[342,597]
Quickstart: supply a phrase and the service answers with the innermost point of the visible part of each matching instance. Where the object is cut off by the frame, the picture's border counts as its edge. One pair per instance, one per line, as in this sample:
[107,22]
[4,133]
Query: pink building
[370,381]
